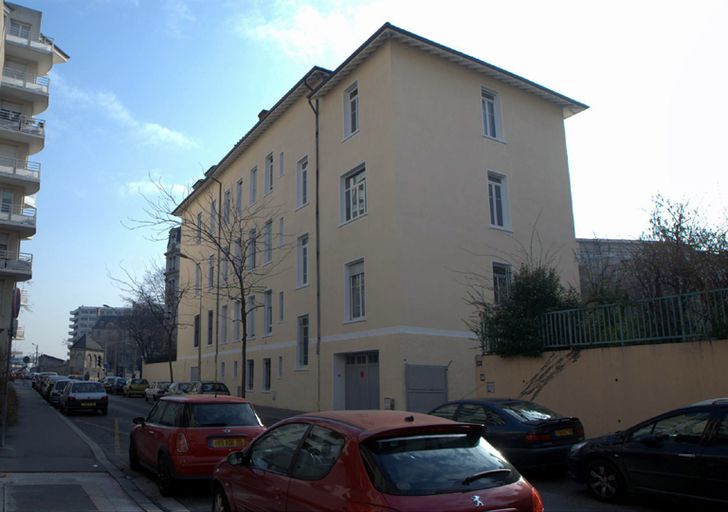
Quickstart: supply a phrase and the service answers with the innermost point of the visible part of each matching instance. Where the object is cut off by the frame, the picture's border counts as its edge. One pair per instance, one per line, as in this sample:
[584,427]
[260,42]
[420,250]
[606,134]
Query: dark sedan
[529,435]
[681,453]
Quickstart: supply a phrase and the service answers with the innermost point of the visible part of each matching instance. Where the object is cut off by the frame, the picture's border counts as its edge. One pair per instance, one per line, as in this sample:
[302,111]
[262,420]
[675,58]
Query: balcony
[27,88]
[20,173]
[22,129]
[16,266]
[20,219]
[26,47]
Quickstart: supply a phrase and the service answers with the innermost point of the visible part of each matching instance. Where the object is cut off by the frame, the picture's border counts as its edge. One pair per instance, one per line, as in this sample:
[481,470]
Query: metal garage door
[426,387]
[362,381]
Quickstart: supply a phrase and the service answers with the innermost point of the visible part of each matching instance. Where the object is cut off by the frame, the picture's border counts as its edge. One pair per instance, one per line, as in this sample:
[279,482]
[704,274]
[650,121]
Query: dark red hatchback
[185,436]
[370,461]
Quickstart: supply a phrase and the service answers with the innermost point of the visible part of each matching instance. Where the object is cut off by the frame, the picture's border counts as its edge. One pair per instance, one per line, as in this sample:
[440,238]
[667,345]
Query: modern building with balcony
[26,57]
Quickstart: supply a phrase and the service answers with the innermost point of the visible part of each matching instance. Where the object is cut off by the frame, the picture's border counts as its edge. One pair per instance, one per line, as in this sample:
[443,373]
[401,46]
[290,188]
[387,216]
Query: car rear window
[139,381]
[528,411]
[222,415]
[211,387]
[435,464]
[87,387]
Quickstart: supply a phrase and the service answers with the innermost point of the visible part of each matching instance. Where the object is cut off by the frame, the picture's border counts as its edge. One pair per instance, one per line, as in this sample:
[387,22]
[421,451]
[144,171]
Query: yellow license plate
[87,404]
[564,432]
[230,442]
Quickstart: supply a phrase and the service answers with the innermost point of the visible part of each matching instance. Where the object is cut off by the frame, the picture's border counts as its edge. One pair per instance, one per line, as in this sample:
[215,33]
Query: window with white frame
[250,375]
[196,338]
[19,29]
[351,110]
[355,290]
[213,217]
[239,196]
[281,167]
[354,194]
[198,279]
[198,229]
[210,271]
[268,313]
[226,207]
[501,282]
[236,321]
[302,182]
[269,173]
[302,341]
[223,323]
[281,240]
[253,185]
[268,242]
[266,374]
[302,261]
[280,306]
[252,248]
[250,317]
[498,201]
[491,113]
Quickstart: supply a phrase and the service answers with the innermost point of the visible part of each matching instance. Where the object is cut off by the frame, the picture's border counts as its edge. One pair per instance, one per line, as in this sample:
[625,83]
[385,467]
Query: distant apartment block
[357,204]
[84,318]
[27,56]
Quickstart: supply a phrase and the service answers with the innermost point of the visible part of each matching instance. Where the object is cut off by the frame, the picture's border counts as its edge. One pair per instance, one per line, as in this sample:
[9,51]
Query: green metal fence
[687,317]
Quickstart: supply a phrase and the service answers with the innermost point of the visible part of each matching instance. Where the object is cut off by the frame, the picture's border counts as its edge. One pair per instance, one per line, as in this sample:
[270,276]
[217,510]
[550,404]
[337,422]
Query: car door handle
[687,455]
[151,432]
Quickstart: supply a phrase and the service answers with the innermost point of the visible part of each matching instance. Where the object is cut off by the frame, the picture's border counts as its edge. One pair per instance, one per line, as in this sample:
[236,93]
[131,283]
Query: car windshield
[163,385]
[87,387]
[222,415]
[212,387]
[528,411]
[435,464]
[139,381]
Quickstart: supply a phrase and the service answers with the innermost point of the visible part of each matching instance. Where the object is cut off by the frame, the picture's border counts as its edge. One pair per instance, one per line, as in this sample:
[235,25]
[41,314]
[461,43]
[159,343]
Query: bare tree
[239,244]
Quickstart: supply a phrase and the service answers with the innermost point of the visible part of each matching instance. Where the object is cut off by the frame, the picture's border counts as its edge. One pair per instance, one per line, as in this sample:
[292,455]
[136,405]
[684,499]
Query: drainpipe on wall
[318,255]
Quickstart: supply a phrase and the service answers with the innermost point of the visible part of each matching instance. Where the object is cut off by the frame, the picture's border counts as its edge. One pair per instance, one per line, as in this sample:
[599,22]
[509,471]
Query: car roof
[710,401]
[205,399]
[371,423]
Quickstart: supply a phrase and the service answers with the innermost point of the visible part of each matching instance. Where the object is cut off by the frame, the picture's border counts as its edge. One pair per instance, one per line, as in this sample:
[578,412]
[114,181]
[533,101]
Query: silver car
[84,396]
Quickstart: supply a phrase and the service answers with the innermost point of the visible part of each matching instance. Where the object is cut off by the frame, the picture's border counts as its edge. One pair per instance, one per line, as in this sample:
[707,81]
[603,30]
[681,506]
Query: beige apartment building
[366,196]
[27,57]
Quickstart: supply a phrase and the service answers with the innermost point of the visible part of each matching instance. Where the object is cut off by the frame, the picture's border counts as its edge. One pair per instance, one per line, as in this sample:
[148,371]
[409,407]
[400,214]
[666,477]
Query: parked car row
[70,394]
[139,387]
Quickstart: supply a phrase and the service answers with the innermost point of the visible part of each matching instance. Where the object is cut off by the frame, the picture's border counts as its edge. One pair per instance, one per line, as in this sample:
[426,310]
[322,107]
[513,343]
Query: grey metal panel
[362,384]
[426,387]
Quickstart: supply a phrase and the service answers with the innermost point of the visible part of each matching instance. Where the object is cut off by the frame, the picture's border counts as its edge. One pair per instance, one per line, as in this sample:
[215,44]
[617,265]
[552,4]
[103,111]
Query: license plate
[87,404]
[228,442]
[564,432]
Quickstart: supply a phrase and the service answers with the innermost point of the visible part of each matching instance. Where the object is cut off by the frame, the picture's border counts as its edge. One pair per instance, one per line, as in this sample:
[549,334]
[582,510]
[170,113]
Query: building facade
[356,207]
[86,359]
[26,57]
[84,318]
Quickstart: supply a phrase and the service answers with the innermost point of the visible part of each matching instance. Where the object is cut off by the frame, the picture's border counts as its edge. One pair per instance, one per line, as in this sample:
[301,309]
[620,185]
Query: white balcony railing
[16,262]
[16,214]
[20,168]
[13,121]
[27,81]
[44,45]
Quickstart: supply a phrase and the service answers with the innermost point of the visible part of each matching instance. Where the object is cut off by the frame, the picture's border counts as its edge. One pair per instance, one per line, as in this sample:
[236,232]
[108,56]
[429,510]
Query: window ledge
[301,206]
[346,222]
[349,136]
[495,139]
[301,286]
[302,369]
[504,229]
[355,320]
[268,335]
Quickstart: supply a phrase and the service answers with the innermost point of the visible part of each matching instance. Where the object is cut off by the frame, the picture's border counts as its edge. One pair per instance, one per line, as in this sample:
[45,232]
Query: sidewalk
[45,466]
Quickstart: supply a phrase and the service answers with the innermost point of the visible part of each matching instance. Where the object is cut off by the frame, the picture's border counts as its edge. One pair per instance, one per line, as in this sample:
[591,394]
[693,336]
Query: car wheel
[146,398]
[605,481]
[133,457]
[219,500]
[165,480]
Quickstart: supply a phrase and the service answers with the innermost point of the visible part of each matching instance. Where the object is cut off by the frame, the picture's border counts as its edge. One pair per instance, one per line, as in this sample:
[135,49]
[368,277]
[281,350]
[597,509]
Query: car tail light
[104,398]
[535,437]
[182,444]
[536,501]
[71,398]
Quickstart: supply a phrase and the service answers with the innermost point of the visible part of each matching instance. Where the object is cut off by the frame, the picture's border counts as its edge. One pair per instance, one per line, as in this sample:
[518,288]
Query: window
[250,375]
[280,366]
[274,452]
[491,114]
[281,167]
[197,331]
[222,370]
[302,182]
[226,207]
[209,326]
[253,186]
[317,454]
[19,29]
[239,196]
[302,341]
[223,323]
[266,374]
[280,306]
[211,271]
[268,242]
[198,229]
[354,194]
[250,320]
[213,217]
[280,233]
[198,279]
[235,369]
[351,110]
[268,312]
[236,321]
[501,282]
[355,290]
[269,173]
[681,429]
[252,248]
[498,201]
[302,261]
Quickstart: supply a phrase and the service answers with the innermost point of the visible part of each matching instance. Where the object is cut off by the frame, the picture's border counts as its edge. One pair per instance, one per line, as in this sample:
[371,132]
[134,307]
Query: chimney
[262,114]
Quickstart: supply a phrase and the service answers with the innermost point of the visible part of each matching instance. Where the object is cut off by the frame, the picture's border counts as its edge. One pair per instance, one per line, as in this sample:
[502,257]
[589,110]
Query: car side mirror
[138,420]
[236,459]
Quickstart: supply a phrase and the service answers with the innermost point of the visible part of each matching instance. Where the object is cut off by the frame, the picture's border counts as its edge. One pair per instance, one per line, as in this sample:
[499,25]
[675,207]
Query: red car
[370,461]
[185,436]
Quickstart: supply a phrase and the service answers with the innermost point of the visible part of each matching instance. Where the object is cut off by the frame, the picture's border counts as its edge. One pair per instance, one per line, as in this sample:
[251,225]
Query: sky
[160,90]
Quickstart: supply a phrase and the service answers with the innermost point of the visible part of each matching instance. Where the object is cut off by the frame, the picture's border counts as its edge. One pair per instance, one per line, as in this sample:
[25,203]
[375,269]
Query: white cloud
[114,109]
[178,15]
[153,186]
